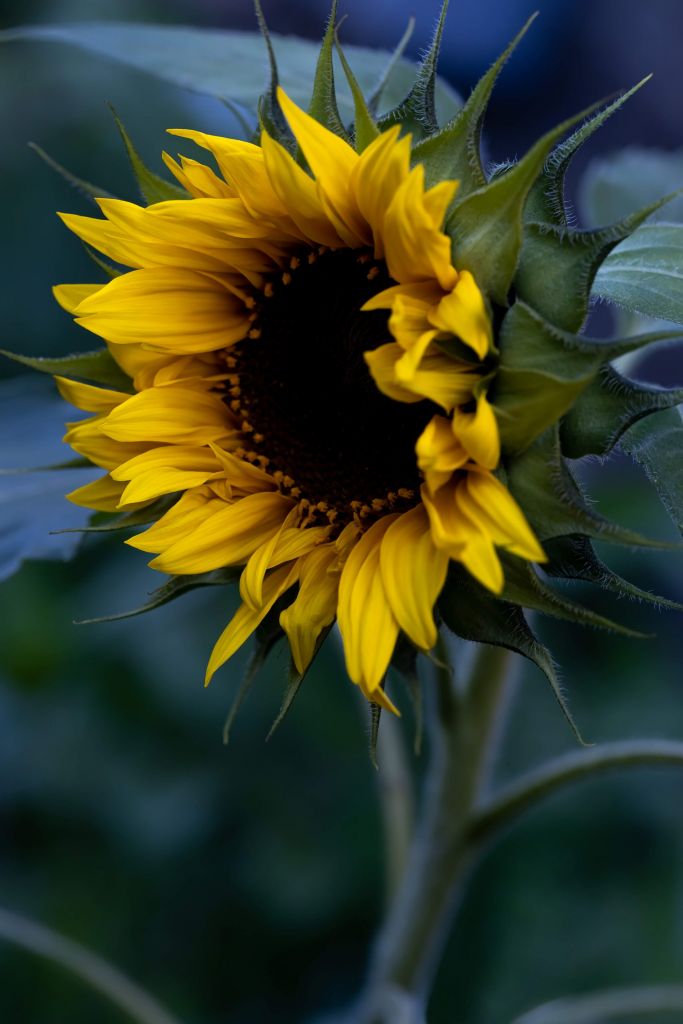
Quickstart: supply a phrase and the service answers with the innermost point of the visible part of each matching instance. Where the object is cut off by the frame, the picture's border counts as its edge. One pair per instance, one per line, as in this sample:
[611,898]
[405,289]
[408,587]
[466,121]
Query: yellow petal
[88,439]
[289,543]
[148,367]
[488,501]
[382,364]
[415,247]
[245,620]
[332,162]
[478,433]
[481,561]
[315,605]
[242,165]
[439,453]
[439,378]
[379,696]
[228,536]
[423,293]
[451,530]
[70,296]
[89,397]
[175,309]
[102,495]
[382,167]
[463,538]
[177,413]
[166,470]
[244,477]
[368,626]
[192,509]
[299,194]
[413,573]
[409,363]
[197,178]
[463,312]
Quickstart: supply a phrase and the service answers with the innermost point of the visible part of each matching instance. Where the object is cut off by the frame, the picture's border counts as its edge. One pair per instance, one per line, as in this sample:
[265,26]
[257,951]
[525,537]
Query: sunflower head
[352,374]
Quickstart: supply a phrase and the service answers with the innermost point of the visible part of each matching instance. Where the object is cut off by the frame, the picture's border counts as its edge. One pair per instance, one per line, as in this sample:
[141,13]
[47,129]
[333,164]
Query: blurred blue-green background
[243,884]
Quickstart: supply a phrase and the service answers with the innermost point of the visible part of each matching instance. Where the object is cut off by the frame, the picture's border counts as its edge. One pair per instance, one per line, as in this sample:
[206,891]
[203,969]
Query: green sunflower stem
[464,730]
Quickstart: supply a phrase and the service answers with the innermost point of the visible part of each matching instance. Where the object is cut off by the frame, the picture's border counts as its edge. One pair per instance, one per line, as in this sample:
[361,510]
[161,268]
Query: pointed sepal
[173,588]
[376,95]
[558,265]
[471,612]
[454,152]
[86,188]
[524,587]
[542,482]
[97,367]
[609,406]
[487,225]
[153,188]
[418,110]
[270,114]
[574,558]
[364,127]
[547,203]
[323,106]
[544,370]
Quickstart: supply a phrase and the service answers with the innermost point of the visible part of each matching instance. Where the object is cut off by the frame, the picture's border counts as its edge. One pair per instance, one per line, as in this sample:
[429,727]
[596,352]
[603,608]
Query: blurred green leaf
[604,1007]
[230,64]
[656,443]
[644,274]
[615,186]
[32,504]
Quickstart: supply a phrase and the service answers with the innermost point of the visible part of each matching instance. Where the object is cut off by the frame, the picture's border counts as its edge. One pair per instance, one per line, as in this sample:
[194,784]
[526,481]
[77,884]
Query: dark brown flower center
[307,401]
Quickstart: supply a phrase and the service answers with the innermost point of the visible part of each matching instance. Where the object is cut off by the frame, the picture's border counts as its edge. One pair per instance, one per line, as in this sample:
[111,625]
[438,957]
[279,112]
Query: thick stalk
[463,732]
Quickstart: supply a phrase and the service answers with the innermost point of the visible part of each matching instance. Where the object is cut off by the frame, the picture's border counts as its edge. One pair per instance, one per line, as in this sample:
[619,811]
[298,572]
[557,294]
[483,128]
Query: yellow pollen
[294,263]
[255,332]
[403,492]
[250,302]
[312,257]
[378,504]
[268,290]
[247,427]
[235,405]
[372,273]
[259,438]
[286,277]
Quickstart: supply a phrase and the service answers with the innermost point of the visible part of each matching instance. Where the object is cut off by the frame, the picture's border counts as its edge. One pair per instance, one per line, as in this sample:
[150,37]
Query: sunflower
[310,372]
